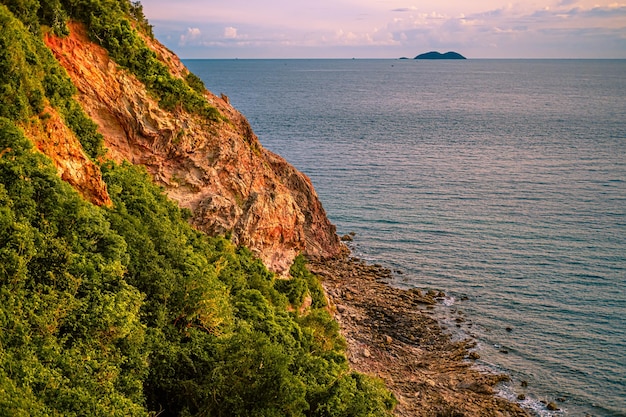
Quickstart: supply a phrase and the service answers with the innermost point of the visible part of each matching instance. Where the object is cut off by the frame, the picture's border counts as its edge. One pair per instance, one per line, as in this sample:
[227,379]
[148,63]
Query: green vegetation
[128,310]
[114,24]
[116,33]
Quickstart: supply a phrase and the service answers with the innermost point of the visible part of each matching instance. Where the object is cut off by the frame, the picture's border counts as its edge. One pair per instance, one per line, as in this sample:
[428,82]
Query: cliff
[217,169]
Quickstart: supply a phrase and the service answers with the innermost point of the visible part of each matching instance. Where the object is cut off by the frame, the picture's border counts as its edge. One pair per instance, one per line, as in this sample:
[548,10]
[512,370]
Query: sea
[500,182]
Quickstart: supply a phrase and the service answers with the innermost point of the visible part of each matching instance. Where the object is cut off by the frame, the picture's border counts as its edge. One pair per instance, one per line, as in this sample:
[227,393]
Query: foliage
[195,83]
[21,88]
[71,339]
[127,310]
[26,11]
[136,12]
[302,284]
[52,14]
[351,396]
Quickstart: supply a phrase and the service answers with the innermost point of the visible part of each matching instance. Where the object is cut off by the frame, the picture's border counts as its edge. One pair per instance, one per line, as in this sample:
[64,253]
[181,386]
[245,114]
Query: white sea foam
[529,403]
[448,301]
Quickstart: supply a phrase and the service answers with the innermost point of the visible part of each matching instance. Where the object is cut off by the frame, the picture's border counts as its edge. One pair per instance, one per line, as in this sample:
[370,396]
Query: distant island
[438,55]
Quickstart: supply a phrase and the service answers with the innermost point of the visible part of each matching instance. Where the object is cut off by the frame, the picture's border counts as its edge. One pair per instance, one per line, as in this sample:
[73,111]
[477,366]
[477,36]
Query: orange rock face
[216,169]
[54,139]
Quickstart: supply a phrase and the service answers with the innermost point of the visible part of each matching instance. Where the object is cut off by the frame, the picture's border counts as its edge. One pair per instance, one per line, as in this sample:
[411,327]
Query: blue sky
[389,28]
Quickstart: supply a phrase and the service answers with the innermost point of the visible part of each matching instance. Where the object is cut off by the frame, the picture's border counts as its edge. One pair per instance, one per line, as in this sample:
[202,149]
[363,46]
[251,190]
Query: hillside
[216,167]
[111,303]
[194,144]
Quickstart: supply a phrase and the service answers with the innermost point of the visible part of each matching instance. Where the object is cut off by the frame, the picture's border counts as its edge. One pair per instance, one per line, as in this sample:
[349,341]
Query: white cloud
[404,28]
[191,35]
[230,32]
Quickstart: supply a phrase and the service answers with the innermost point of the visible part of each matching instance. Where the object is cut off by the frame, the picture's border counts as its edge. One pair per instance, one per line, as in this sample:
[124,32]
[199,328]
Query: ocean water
[500,182]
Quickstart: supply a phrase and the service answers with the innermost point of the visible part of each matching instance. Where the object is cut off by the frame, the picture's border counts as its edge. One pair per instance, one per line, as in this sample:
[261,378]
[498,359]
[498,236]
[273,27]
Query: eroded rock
[218,170]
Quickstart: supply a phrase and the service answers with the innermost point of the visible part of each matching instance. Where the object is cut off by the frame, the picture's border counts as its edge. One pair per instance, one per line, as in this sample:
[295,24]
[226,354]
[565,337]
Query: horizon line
[408,59]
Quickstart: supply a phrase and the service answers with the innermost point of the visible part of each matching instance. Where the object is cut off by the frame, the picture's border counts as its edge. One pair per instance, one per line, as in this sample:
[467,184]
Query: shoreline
[393,334]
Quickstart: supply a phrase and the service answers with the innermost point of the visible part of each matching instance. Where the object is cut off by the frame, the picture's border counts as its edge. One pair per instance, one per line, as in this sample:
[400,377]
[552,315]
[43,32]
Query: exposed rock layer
[53,138]
[216,169]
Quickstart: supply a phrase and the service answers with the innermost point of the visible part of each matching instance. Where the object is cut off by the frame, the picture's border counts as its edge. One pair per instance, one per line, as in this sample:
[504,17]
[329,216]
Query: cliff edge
[216,169]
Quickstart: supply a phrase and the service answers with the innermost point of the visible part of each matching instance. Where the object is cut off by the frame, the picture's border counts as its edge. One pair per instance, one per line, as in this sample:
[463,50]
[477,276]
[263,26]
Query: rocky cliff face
[216,169]
[53,138]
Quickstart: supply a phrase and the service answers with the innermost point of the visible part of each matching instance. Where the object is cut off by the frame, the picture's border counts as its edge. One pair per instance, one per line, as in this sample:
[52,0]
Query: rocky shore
[391,333]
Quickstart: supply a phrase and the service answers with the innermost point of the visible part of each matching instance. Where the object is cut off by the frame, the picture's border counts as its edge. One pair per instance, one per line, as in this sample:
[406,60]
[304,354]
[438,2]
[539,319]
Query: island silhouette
[439,55]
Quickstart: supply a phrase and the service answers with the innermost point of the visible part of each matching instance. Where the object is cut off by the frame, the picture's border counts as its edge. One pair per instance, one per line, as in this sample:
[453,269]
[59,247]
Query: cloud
[191,35]
[605,12]
[485,28]
[230,32]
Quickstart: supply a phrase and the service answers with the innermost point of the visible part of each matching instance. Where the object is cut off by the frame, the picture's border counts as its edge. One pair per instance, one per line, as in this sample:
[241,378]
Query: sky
[389,28]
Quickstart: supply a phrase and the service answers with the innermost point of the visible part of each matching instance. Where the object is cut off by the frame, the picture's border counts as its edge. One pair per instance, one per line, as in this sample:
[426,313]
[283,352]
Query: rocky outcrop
[218,170]
[54,139]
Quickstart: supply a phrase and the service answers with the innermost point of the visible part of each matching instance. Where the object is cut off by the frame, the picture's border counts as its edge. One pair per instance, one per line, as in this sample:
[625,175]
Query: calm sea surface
[501,182]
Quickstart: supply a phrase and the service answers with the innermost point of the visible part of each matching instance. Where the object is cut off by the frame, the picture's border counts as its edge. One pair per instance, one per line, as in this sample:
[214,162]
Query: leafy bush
[302,284]
[72,340]
[195,83]
[26,11]
[21,89]
[356,395]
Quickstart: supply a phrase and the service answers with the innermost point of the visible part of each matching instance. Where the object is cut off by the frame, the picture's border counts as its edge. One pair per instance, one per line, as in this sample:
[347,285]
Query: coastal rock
[474,355]
[427,371]
[218,170]
[346,238]
[477,387]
